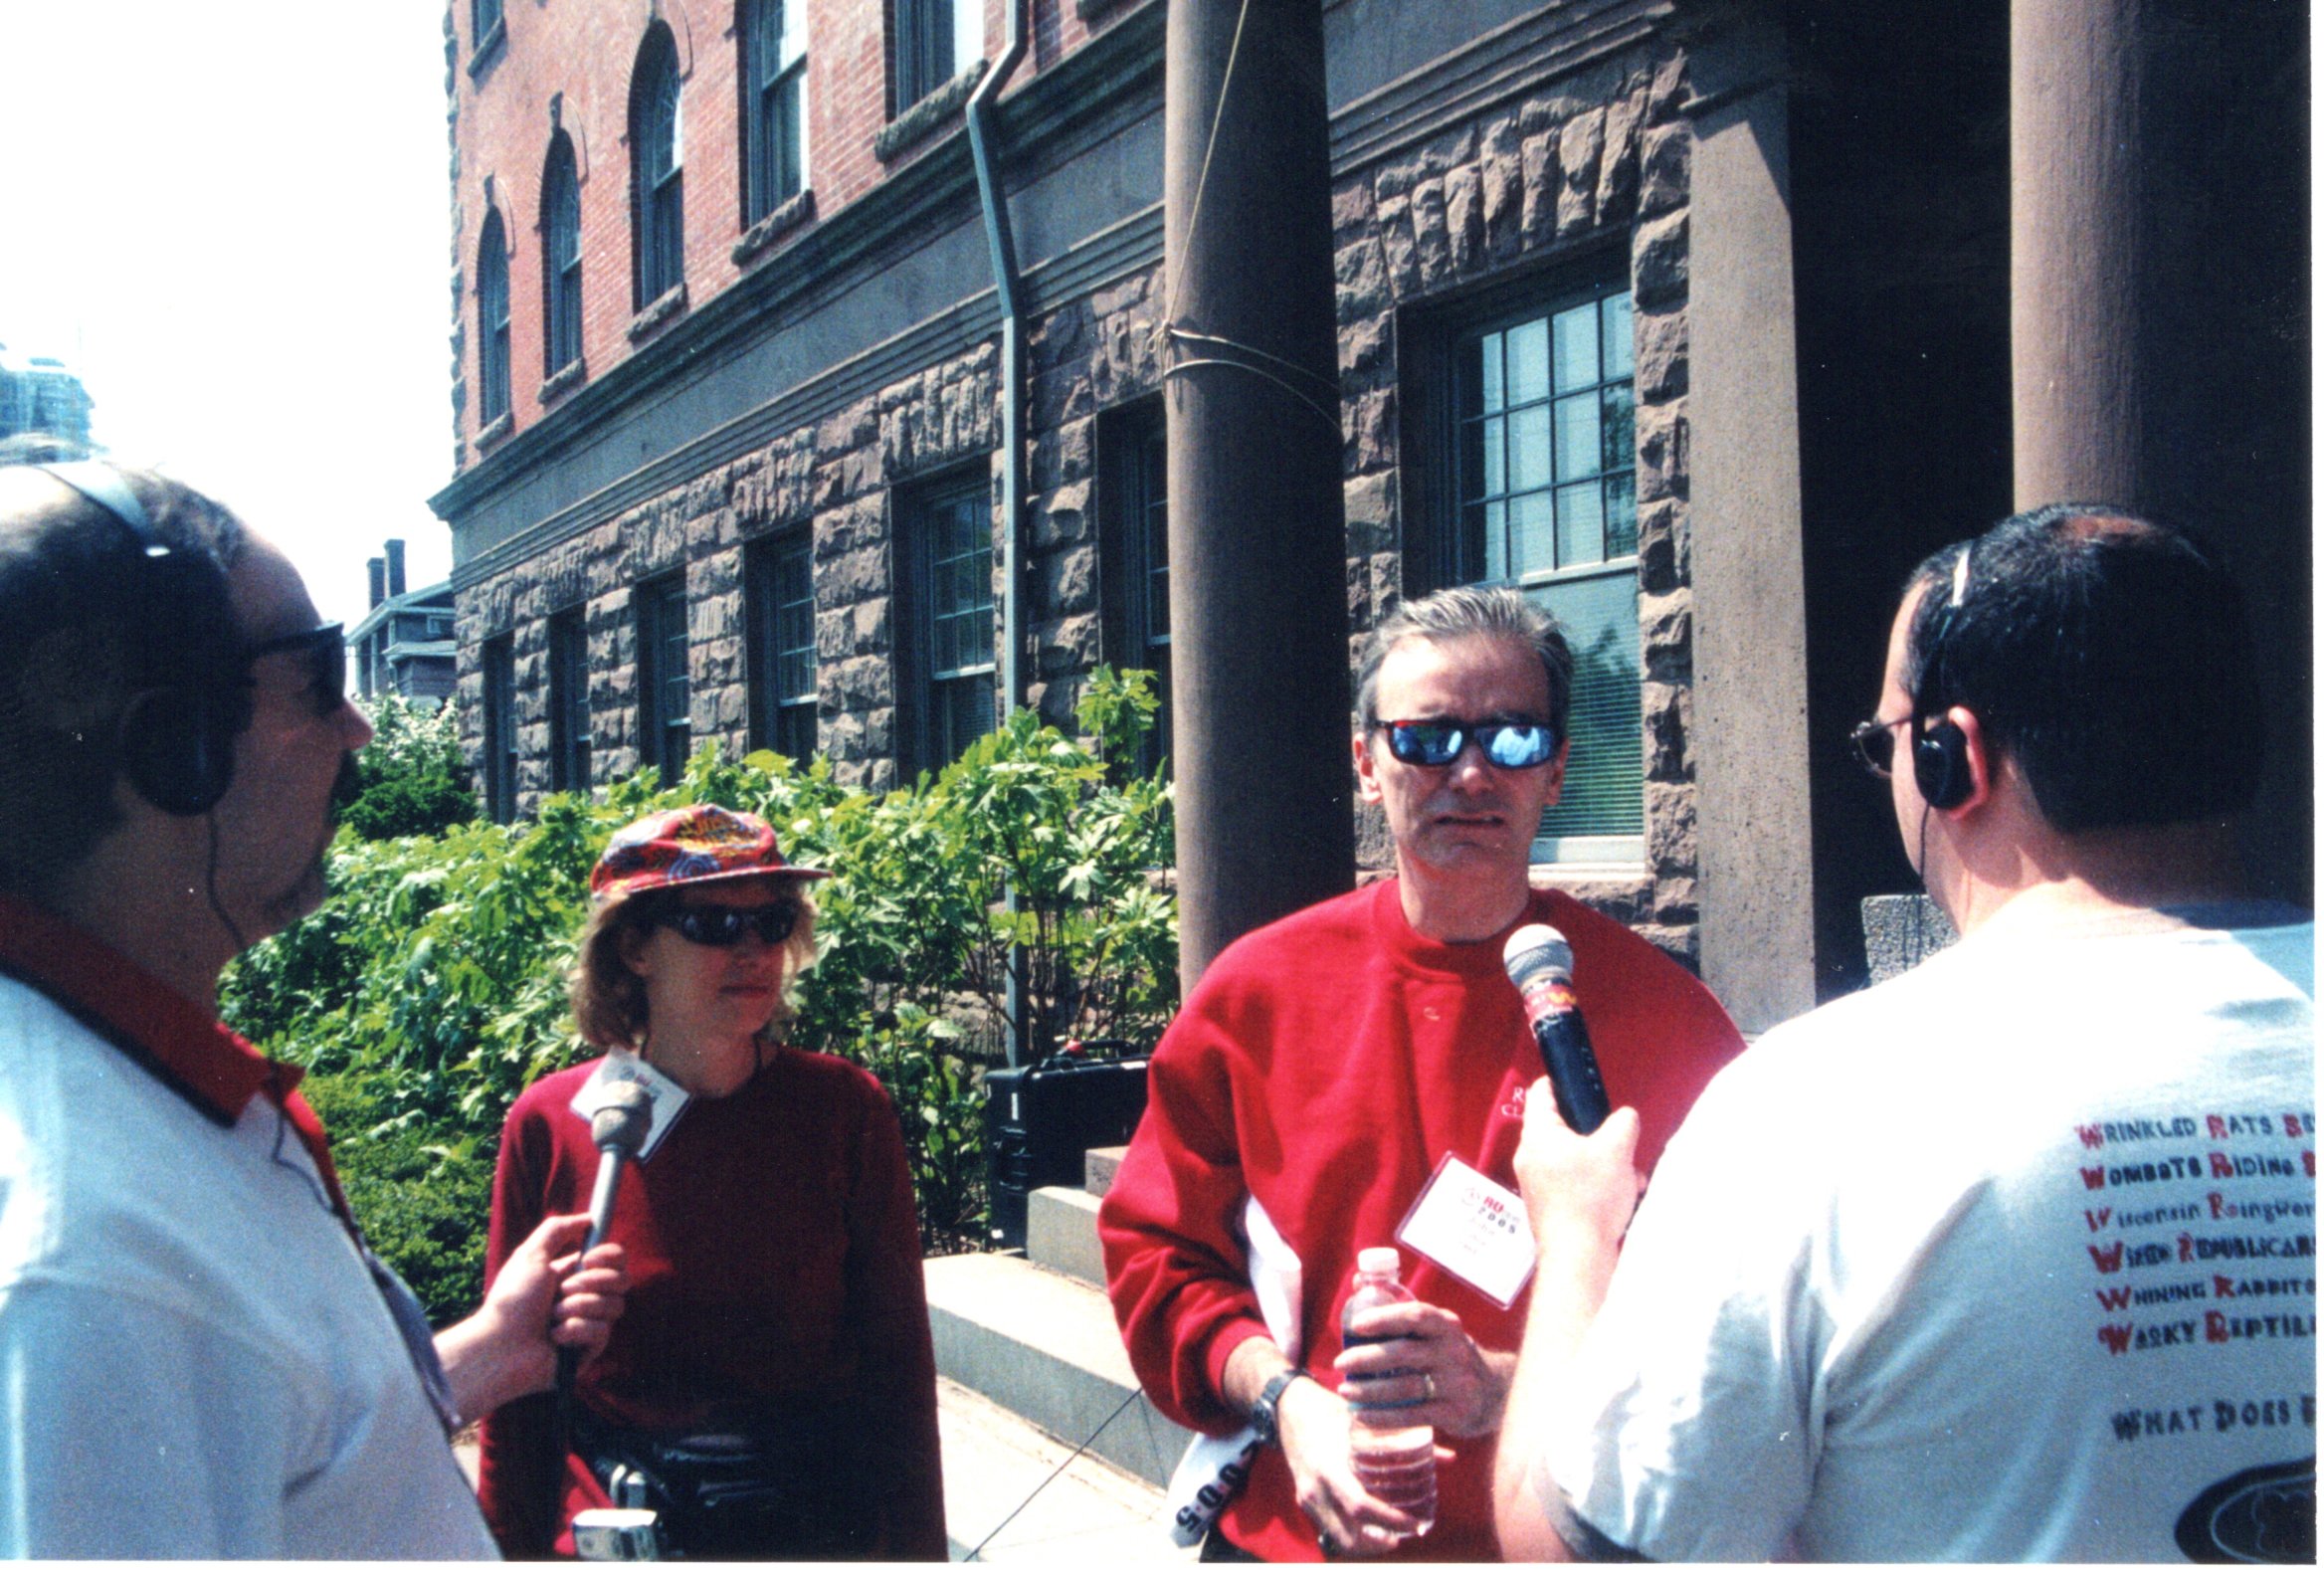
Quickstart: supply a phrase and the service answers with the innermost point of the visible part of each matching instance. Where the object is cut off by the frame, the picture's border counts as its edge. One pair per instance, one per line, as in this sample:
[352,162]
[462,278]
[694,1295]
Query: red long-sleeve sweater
[774,1254]
[1324,1064]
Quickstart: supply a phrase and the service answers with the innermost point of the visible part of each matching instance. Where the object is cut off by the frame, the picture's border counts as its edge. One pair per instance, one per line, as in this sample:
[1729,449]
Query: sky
[232,221]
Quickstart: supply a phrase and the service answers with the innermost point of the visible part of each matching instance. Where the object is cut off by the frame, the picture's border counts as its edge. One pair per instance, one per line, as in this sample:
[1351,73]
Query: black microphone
[1541,962]
[618,1128]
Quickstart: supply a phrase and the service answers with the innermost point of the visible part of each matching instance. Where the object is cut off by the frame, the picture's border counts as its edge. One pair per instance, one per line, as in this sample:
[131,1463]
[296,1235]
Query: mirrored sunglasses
[325,649]
[1434,743]
[722,926]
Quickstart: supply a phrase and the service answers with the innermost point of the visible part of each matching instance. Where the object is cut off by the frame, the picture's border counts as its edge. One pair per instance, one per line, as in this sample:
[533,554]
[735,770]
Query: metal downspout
[995,204]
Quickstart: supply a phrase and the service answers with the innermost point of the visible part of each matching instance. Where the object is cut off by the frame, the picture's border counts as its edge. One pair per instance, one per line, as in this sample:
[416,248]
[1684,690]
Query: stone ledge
[570,375]
[496,432]
[658,316]
[921,119]
[760,237]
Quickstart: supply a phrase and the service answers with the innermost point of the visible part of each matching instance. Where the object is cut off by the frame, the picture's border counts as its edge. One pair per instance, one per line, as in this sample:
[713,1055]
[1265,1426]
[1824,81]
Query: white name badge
[626,1068]
[1474,1228]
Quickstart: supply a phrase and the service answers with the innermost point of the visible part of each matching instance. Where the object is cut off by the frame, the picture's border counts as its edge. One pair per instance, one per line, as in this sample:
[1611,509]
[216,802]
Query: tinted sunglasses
[326,652]
[1434,743]
[722,926]
[1876,743]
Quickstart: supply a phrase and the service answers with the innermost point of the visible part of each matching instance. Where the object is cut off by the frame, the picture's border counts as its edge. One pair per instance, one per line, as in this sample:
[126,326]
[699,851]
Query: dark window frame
[1133,555]
[920,51]
[498,658]
[664,674]
[1450,552]
[657,170]
[773,81]
[493,317]
[560,256]
[937,707]
[570,720]
[779,642]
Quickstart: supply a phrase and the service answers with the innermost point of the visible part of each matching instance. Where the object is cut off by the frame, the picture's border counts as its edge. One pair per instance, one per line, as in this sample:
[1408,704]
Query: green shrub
[412,778]
[431,988]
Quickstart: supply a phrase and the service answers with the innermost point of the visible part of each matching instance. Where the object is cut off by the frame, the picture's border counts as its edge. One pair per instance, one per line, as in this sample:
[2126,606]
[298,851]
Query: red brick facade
[575,62]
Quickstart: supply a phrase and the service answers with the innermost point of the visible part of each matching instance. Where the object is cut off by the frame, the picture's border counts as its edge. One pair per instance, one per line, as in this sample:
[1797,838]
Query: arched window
[560,259]
[657,174]
[493,320]
[774,108]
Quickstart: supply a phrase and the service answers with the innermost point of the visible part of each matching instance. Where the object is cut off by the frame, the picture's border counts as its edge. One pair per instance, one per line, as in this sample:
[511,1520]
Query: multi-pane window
[1134,551]
[952,530]
[569,700]
[499,753]
[493,319]
[779,599]
[657,171]
[665,691]
[1545,478]
[774,110]
[934,40]
[560,259]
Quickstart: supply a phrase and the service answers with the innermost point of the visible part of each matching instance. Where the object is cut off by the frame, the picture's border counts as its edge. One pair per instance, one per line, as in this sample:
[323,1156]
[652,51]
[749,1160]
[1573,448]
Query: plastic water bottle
[1395,1459]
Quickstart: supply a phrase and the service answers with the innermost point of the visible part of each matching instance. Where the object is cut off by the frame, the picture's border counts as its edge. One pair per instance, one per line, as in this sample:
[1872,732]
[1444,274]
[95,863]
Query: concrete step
[1099,1168]
[1044,1346]
[1014,1494]
[1061,1234]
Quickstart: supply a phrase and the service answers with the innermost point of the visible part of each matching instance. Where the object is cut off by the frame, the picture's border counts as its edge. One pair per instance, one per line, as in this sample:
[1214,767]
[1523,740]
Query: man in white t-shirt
[2013,1257]
[200,1355]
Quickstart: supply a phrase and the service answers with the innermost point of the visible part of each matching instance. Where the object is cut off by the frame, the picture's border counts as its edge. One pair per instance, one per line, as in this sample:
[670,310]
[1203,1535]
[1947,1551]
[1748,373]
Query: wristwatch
[1263,1411]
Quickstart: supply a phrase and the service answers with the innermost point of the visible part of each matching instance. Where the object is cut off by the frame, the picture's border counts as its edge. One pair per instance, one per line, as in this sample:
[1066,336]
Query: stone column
[1258,619]
[1750,596]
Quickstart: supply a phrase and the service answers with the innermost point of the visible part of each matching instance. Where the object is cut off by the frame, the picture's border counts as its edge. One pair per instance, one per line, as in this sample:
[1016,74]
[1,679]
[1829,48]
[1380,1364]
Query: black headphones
[1940,752]
[177,739]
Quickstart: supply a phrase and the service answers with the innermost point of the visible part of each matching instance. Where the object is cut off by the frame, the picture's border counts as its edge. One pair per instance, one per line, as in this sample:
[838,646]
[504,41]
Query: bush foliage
[411,779]
[431,987]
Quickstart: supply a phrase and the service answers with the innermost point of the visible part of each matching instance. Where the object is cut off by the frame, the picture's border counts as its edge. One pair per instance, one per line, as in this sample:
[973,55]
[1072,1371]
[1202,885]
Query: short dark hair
[1471,611]
[2108,654]
[86,627]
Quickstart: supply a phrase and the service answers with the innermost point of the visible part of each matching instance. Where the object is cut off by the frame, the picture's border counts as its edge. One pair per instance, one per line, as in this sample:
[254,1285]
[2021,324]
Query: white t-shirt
[2012,1257]
[194,1361]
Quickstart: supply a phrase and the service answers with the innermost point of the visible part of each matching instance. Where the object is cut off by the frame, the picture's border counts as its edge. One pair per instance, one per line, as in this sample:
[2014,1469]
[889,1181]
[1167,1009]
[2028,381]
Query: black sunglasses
[1434,743]
[325,649]
[722,926]
[1876,743]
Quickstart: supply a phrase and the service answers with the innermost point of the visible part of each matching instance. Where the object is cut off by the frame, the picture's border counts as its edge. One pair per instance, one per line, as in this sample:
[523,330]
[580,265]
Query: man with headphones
[201,1358]
[2013,1255]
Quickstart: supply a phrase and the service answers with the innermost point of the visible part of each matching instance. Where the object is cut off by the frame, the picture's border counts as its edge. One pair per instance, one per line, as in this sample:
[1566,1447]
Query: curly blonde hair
[608,999]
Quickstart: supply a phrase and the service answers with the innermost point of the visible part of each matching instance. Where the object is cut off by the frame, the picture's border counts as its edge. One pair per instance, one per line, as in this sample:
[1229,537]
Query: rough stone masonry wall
[834,477]
[1600,152]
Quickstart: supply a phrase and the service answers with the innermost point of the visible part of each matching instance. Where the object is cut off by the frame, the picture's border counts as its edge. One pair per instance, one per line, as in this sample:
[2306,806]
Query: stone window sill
[920,122]
[487,49]
[760,237]
[494,434]
[656,316]
[570,375]
[1090,9]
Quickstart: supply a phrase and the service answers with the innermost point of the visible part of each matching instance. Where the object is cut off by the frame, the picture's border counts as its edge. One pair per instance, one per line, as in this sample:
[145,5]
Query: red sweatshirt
[774,1254]
[1324,1064]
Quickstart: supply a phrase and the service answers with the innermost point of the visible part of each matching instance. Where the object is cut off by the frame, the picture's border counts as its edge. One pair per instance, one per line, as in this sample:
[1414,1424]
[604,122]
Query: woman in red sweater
[772,1383]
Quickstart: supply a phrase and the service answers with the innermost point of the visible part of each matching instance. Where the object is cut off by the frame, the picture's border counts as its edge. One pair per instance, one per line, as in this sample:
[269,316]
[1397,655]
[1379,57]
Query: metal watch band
[1271,1395]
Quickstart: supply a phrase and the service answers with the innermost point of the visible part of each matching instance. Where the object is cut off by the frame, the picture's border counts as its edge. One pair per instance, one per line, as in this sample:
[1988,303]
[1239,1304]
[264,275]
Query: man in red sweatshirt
[1330,1065]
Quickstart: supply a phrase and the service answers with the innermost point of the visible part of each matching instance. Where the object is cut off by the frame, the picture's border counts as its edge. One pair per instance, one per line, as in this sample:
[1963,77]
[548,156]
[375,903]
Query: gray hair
[1472,610]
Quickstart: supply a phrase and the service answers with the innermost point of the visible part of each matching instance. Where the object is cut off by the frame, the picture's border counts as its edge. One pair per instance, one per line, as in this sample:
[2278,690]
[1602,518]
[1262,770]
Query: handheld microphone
[1541,963]
[618,1128]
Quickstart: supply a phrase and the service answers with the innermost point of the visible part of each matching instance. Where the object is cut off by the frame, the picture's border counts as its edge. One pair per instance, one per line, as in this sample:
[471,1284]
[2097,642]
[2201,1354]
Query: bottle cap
[1379,1261]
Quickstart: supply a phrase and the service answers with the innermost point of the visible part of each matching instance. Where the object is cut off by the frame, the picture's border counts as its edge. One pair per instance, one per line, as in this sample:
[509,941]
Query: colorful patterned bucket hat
[688,845]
